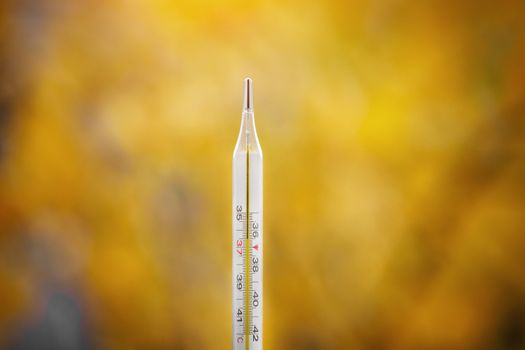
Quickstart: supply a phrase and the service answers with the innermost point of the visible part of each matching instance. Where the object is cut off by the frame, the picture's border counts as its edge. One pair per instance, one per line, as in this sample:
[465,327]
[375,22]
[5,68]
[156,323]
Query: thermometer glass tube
[247,232]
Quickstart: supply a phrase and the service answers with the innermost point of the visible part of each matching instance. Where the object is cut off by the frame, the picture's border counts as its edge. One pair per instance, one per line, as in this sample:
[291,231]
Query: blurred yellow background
[394,142]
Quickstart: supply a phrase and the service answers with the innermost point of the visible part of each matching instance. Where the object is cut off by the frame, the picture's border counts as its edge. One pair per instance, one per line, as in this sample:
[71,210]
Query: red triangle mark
[256,247]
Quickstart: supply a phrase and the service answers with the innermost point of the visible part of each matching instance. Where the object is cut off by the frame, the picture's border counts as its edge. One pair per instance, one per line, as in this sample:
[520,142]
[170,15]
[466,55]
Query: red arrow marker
[256,247]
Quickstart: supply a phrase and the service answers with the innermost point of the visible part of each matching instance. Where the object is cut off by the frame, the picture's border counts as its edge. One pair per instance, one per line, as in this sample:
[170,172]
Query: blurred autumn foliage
[394,140]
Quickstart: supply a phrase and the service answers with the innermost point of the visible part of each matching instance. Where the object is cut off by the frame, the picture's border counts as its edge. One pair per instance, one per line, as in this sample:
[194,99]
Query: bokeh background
[394,141]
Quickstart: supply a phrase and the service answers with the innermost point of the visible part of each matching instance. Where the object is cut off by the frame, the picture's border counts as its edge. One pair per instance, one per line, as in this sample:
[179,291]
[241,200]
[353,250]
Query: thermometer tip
[248,94]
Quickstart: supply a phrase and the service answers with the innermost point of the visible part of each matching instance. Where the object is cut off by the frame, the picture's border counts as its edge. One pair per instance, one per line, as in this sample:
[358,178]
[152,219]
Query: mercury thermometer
[247,232]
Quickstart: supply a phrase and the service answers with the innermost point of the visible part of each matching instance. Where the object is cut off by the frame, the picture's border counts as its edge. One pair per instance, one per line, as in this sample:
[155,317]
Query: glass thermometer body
[247,233]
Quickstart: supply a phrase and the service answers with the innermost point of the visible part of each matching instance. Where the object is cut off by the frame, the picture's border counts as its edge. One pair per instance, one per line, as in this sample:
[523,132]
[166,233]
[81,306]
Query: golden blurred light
[394,139]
